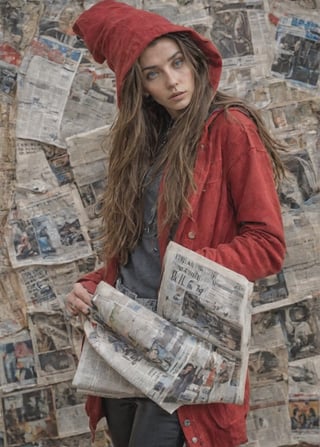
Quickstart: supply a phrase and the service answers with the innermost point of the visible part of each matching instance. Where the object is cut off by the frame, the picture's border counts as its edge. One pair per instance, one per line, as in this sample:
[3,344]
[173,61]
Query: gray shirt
[140,277]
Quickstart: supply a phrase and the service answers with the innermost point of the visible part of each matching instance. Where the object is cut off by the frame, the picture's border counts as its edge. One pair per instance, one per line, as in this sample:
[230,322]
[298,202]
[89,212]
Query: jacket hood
[118,33]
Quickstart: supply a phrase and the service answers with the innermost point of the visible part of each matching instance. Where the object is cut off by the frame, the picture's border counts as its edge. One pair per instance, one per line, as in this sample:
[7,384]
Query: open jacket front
[235,221]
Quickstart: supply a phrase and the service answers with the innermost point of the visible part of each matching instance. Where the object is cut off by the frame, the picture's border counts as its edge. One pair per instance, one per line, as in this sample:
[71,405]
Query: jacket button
[194,440]
[191,235]
[186,423]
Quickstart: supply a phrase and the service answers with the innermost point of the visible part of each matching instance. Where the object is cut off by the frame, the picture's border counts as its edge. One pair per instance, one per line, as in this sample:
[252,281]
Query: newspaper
[7,175]
[241,31]
[268,365]
[4,258]
[7,132]
[304,376]
[109,384]
[69,404]
[300,8]
[47,228]
[88,152]
[197,345]
[29,154]
[8,76]
[268,421]
[13,315]
[270,425]
[266,330]
[46,76]
[92,99]
[299,278]
[301,326]
[45,287]
[37,410]
[19,22]
[297,50]
[304,414]
[54,358]
[17,363]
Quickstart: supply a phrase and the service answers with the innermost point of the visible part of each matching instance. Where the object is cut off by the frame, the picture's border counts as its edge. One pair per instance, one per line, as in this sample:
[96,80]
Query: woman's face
[167,76]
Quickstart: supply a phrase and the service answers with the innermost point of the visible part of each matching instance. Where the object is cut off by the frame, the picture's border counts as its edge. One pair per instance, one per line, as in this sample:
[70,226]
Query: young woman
[187,163]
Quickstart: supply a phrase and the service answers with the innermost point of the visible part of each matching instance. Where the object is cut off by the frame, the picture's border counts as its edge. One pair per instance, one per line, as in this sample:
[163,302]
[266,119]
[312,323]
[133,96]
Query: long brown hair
[134,143]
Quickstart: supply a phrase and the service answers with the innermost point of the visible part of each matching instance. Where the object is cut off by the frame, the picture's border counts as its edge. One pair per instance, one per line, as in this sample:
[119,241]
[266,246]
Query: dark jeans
[137,422]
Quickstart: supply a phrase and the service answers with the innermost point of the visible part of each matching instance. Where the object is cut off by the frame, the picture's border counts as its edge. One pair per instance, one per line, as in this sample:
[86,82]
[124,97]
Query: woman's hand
[78,300]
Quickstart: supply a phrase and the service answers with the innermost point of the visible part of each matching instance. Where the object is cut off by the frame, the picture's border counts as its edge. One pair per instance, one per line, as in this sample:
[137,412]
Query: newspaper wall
[56,105]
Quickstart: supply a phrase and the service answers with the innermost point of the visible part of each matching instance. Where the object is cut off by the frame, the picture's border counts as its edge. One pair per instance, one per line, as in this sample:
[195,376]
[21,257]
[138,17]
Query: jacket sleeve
[258,247]
[91,280]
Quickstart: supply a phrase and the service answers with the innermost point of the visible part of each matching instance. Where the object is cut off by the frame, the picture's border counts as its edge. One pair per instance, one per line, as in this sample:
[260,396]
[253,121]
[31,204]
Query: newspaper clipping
[197,345]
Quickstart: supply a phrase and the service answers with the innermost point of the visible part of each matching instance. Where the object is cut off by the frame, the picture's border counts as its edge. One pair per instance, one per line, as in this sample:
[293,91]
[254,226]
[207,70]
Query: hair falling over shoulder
[134,143]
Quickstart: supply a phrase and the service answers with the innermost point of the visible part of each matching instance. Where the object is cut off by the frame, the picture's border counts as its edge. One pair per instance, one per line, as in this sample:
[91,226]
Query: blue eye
[178,62]
[151,75]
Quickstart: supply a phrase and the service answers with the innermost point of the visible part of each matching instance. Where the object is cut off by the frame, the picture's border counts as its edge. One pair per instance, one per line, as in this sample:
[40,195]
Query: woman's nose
[171,79]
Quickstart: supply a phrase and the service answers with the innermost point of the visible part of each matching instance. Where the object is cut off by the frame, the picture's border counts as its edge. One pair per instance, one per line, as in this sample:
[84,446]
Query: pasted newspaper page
[196,351]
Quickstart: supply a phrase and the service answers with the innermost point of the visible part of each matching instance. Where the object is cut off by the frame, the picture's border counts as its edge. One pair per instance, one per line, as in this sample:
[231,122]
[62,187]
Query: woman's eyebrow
[169,59]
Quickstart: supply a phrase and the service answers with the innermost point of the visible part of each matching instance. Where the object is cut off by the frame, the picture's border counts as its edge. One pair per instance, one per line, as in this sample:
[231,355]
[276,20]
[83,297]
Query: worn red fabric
[235,221]
[235,215]
[118,33]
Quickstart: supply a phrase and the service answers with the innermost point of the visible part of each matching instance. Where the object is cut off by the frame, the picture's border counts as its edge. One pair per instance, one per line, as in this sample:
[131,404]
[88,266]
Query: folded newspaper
[194,350]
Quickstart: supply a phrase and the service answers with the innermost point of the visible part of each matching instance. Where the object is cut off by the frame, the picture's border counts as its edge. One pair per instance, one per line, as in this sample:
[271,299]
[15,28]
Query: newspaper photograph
[8,78]
[70,412]
[54,356]
[304,376]
[57,20]
[47,228]
[305,415]
[270,292]
[266,330]
[299,278]
[29,416]
[178,363]
[301,326]
[17,368]
[297,51]
[59,163]
[232,31]
[20,22]
[268,365]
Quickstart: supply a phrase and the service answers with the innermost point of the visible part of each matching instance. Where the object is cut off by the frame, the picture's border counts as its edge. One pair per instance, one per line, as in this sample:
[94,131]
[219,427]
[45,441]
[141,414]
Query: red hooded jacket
[235,218]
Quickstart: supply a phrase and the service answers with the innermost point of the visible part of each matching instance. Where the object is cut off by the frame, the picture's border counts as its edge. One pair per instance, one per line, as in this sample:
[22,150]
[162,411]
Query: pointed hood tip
[118,33]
